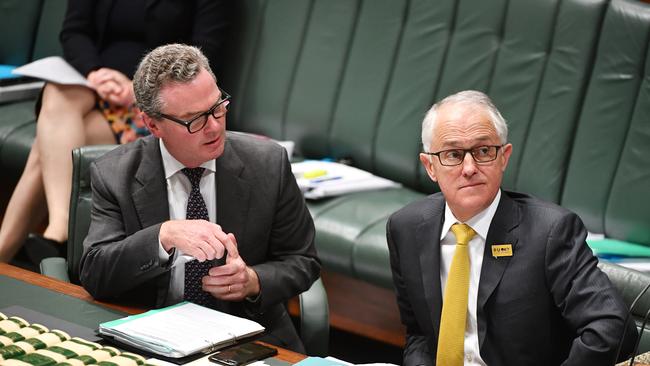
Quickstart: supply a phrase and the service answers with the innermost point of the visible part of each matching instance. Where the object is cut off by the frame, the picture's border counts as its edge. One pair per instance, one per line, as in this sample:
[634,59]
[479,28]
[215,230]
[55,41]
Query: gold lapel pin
[501,250]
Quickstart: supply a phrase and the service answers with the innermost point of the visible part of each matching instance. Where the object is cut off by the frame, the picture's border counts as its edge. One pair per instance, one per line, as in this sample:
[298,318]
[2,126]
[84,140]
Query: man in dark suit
[197,213]
[520,284]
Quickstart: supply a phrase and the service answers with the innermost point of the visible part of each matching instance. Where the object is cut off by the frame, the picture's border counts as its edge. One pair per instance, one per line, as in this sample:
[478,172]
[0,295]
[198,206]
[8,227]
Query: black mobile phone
[242,354]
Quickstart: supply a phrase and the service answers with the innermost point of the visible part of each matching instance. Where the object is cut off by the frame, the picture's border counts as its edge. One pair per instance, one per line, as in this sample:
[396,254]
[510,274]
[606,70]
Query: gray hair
[172,63]
[470,97]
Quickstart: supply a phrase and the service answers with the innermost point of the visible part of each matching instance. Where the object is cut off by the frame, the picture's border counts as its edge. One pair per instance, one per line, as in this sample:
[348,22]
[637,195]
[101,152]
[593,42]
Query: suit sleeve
[114,263]
[586,298]
[78,36]
[292,264]
[416,350]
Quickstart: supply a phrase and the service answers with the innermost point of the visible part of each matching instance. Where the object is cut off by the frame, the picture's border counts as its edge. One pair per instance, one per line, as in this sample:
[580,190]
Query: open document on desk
[320,179]
[180,330]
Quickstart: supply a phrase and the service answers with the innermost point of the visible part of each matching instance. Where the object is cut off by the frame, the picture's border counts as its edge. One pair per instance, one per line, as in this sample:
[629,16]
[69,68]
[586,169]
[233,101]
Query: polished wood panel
[363,309]
[59,286]
[360,308]
[77,291]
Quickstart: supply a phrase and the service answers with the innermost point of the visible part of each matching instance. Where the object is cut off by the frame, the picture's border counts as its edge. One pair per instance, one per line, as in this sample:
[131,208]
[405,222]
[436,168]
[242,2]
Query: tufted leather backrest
[18,26]
[47,42]
[352,78]
[608,175]
[80,204]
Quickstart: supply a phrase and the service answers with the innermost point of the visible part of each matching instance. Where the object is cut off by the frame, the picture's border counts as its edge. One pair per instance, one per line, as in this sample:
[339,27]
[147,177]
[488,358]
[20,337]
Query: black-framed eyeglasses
[196,124]
[480,154]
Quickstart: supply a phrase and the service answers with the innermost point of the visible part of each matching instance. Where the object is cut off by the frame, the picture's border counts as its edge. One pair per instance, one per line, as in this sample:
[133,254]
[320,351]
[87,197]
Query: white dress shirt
[178,192]
[481,224]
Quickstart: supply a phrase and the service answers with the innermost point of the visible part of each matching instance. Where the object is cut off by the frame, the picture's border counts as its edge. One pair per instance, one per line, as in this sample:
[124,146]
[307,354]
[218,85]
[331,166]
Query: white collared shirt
[481,224]
[178,191]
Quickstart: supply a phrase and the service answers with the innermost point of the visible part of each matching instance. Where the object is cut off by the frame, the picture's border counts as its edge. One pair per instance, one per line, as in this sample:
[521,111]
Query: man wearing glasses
[489,277]
[197,213]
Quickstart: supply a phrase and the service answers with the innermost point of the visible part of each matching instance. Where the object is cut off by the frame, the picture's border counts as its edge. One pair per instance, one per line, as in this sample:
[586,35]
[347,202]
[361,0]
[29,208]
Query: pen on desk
[320,180]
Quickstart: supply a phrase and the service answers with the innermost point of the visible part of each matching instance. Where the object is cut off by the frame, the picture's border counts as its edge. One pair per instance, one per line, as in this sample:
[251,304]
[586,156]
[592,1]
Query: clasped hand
[113,86]
[205,240]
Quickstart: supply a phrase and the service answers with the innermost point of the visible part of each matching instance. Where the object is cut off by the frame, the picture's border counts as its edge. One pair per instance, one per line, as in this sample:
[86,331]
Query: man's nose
[213,123]
[469,164]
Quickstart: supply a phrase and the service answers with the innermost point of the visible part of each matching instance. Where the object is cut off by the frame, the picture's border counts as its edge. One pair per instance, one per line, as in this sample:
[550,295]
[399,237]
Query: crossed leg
[67,120]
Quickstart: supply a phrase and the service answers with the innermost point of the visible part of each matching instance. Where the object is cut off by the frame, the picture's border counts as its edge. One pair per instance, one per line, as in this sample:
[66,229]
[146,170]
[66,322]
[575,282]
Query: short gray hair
[470,97]
[170,63]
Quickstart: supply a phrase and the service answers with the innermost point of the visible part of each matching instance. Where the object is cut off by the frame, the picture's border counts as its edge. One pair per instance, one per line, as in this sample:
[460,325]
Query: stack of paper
[319,179]
[180,330]
[54,69]
[630,255]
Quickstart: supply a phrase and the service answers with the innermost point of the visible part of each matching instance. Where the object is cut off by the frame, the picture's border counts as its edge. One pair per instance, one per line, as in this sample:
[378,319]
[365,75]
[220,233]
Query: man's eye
[454,154]
[482,150]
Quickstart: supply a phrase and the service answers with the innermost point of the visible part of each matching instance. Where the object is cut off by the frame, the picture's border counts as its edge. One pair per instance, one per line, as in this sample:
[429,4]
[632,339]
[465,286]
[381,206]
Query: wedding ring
[229,288]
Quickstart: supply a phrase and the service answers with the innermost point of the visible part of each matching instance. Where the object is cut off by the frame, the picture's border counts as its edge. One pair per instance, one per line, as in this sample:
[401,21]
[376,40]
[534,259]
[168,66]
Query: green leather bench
[353,79]
[29,30]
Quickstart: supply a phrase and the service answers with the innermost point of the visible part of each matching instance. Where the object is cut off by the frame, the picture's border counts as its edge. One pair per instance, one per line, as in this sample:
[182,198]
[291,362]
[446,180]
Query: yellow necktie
[451,339]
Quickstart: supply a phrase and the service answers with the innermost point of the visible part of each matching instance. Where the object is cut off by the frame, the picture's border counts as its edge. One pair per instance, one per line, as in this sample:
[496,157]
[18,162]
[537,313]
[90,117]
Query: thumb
[233,253]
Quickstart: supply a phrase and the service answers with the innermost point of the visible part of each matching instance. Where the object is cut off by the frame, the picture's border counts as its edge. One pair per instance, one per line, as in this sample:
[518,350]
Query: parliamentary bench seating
[352,79]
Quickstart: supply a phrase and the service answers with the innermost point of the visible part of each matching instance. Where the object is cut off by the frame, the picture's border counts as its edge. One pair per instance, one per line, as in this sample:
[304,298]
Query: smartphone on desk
[242,354]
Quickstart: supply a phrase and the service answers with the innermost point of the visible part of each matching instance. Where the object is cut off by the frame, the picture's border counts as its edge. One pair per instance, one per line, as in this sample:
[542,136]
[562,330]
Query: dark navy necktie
[195,270]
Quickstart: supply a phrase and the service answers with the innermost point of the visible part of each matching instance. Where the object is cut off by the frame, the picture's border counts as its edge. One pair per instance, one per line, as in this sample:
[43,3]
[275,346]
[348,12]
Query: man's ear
[507,151]
[427,162]
[151,124]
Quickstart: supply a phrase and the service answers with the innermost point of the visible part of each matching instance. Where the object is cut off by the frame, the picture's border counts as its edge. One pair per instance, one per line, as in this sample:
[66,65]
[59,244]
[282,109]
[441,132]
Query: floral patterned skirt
[125,122]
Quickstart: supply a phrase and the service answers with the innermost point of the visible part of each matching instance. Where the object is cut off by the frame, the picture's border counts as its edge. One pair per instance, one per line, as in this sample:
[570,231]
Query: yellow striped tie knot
[464,233]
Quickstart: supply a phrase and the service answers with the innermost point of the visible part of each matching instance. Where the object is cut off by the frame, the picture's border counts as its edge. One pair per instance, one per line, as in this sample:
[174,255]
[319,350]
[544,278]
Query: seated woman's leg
[26,208]
[66,119]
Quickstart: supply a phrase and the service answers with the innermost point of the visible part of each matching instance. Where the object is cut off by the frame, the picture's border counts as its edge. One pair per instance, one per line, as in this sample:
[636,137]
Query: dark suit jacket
[546,305]
[201,23]
[258,201]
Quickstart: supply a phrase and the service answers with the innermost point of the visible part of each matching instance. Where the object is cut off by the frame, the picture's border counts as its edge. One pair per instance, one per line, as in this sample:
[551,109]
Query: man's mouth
[212,142]
[470,185]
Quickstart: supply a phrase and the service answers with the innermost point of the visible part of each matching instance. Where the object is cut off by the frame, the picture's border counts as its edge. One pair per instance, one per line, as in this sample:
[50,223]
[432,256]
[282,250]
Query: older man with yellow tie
[484,276]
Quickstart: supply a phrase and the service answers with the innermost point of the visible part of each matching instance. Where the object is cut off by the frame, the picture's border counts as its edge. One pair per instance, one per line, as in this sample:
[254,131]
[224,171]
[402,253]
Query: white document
[180,330]
[319,179]
[54,69]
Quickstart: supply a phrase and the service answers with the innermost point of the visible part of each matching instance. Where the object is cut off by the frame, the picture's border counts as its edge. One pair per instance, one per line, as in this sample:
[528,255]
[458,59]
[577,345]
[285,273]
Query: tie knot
[194,175]
[464,233]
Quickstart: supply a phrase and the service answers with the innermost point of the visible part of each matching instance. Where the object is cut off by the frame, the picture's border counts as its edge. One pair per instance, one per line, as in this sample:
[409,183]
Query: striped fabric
[24,344]
[41,341]
[21,334]
[12,324]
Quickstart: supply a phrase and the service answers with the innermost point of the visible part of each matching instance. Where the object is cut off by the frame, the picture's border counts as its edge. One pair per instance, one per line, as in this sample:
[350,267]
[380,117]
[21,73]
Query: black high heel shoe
[38,247]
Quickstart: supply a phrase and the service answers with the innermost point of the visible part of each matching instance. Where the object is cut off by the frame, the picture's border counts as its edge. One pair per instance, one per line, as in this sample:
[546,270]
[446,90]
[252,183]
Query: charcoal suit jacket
[258,201]
[547,304]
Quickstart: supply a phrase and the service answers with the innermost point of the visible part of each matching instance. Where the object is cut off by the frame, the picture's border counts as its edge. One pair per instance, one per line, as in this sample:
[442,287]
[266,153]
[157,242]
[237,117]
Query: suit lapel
[428,242]
[150,198]
[233,193]
[502,231]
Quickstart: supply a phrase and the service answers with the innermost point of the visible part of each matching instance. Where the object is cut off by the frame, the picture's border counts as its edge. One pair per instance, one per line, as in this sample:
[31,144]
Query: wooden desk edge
[73,290]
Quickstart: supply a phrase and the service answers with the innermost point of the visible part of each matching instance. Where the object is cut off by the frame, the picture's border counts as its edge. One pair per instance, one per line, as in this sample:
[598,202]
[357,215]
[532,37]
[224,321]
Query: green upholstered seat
[353,79]
[630,284]
[35,26]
